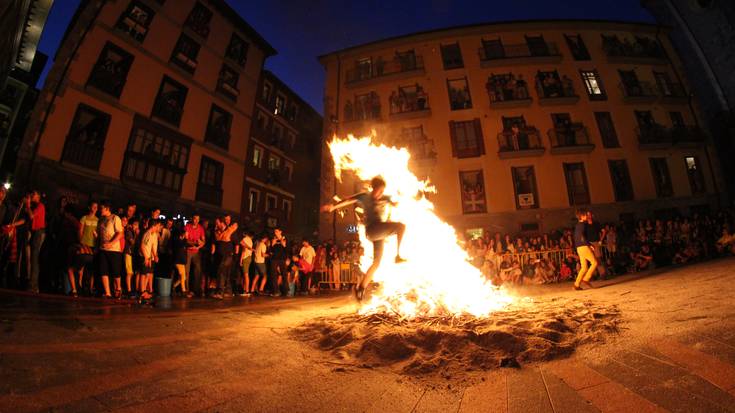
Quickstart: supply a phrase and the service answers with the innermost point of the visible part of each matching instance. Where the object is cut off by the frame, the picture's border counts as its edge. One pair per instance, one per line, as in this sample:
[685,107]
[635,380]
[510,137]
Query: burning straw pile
[453,346]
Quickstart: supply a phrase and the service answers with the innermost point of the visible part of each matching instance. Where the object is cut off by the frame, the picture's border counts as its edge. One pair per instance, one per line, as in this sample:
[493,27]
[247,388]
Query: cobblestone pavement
[676,353]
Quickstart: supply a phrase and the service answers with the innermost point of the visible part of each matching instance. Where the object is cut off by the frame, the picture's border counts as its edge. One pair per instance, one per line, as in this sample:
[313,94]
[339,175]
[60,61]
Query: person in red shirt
[195,239]
[37,211]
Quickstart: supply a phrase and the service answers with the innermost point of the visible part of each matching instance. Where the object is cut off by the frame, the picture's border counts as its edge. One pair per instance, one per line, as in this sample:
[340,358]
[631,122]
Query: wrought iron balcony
[412,108]
[685,134]
[641,50]
[653,136]
[673,92]
[560,93]
[640,91]
[380,70]
[571,139]
[519,54]
[514,96]
[82,154]
[526,142]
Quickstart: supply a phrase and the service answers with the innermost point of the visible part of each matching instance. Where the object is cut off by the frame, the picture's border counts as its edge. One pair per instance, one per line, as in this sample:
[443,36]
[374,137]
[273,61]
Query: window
[289,170]
[472,186]
[292,112]
[696,180]
[364,68]
[227,82]
[593,84]
[524,183]
[607,130]
[493,49]
[274,163]
[367,106]
[277,137]
[257,159]
[644,119]
[459,94]
[406,60]
[270,202]
[537,46]
[620,176]
[266,92]
[209,187]
[576,184]
[577,47]
[467,141]
[408,99]
[280,105]
[136,20]
[664,83]
[86,139]
[661,177]
[452,56]
[253,196]
[156,156]
[261,121]
[237,50]
[218,127]
[199,19]
[677,120]
[111,70]
[169,104]
[185,53]
[550,85]
[414,139]
[287,209]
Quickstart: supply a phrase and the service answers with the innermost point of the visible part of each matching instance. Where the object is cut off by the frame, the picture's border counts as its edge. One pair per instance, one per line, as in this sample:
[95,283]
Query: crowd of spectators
[620,248]
[103,251]
[100,250]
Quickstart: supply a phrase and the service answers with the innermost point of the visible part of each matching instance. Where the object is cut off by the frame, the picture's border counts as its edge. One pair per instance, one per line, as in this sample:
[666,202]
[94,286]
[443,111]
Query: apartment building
[517,124]
[148,101]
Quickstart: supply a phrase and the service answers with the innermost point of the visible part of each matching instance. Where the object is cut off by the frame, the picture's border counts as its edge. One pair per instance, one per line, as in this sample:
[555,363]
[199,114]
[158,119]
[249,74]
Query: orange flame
[437,279]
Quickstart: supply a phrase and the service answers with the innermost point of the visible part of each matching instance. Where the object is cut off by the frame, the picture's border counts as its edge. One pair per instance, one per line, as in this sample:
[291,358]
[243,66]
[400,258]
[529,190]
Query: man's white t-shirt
[107,227]
[247,242]
[260,253]
[308,254]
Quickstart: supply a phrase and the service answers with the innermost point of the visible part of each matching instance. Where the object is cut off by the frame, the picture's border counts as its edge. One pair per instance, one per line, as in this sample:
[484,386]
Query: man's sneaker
[217,296]
[276,295]
[399,259]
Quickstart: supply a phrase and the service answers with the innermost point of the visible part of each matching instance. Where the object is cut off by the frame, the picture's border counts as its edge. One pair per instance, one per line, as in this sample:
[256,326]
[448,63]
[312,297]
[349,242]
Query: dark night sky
[302,29]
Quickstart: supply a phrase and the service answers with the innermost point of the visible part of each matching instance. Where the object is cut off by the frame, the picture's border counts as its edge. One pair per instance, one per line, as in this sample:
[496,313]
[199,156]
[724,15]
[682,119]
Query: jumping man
[377,228]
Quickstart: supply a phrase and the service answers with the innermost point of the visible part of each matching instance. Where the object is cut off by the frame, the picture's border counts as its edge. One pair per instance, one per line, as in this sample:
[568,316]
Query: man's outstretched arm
[341,204]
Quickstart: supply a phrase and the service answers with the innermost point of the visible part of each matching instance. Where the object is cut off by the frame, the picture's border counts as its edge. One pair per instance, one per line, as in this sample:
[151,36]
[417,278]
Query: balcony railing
[558,92]
[381,68]
[504,92]
[571,139]
[525,142]
[646,49]
[490,56]
[687,134]
[672,91]
[654,134]
[209,194]
[637,91]
[82,154]
[409,105]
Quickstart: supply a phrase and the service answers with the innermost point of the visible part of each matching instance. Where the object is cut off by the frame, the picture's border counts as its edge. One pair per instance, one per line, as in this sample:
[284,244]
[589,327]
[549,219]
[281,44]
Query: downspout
[57,88]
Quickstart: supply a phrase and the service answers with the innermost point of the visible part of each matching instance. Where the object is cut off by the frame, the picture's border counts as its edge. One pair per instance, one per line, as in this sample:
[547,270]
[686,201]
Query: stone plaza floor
[675,352]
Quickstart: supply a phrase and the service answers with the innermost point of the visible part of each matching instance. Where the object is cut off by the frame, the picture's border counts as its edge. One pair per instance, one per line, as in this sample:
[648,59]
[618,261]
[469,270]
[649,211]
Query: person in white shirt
[246,257]
[306,263]
[149,252]
[259,259]
[109,254]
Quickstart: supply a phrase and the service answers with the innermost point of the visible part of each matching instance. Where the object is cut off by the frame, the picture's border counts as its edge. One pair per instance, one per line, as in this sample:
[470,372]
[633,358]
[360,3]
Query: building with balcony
[149,101]
[282,171]
[21,26]
[518,124]
[703,34]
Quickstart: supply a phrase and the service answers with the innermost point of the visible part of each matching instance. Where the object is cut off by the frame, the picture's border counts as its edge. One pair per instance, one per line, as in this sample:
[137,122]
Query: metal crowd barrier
[348,274]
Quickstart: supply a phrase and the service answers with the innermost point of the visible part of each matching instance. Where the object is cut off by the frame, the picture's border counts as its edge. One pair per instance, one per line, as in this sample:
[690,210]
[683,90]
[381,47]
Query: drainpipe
[57,88]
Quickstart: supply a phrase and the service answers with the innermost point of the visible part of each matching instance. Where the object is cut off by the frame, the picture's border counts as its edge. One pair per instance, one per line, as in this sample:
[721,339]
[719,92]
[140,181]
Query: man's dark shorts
[109,263]
[380,231]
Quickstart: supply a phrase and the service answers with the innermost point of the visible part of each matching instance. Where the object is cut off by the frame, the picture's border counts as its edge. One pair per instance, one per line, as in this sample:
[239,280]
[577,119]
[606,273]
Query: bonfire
[438,279]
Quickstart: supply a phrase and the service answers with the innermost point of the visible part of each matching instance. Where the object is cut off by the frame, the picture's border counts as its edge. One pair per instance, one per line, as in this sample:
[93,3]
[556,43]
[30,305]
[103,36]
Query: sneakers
[399,259]
[217,296]
[577,288]
[588,284]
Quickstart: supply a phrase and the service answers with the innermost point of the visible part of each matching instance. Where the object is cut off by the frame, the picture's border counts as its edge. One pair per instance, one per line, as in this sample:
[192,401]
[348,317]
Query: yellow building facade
[518,124]
[148,101]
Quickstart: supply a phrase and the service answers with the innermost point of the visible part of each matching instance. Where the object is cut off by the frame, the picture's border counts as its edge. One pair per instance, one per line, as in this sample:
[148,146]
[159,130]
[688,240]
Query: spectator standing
[259,255]
[132,235]
[278,256]
[179,246]
[224,249]
[109,255]
[306,263]
[246,258]
[149,253]
[37,212]
[195,240]
[164,267]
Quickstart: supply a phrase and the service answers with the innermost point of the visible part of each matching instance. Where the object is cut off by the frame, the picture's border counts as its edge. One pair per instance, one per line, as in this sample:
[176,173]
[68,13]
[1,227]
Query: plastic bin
[163,287]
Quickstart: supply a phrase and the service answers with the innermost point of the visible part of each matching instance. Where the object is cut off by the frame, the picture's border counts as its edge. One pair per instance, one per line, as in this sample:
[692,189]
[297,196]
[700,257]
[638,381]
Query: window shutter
[453,137]
[479,137]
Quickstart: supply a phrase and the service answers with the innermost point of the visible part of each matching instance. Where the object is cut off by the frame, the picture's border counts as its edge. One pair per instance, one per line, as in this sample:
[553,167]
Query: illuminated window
[253,197]
[257,156]
[696,180]
[280,105]
[593,85]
